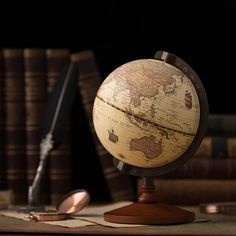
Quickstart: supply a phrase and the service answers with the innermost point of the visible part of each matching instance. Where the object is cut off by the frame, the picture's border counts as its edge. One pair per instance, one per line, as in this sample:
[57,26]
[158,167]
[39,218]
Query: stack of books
[27,76]
[208,176]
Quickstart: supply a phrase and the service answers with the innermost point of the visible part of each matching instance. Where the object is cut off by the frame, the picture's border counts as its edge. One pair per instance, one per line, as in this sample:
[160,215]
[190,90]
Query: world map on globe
[146,113]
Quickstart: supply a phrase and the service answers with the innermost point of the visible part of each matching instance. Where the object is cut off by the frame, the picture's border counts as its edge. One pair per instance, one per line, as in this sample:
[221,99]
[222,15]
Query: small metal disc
[50,215]
[218,208]
[73,202]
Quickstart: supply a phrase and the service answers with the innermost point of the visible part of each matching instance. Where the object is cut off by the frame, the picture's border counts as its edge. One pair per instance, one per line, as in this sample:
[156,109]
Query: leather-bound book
[205,168]
[119,184]
[59,160]
[217,147]
[35,96]
[3,182]
[194,191]
[15,141]
[221,125]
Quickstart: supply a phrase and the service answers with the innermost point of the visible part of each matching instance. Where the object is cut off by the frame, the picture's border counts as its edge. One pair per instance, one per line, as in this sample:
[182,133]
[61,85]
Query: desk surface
[217,225]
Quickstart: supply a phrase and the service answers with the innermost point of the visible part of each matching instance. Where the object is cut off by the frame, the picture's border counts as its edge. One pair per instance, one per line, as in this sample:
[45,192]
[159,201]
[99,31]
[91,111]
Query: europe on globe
[146,113]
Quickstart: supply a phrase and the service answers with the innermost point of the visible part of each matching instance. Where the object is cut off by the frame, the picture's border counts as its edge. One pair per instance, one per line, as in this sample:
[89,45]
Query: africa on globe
[146,113]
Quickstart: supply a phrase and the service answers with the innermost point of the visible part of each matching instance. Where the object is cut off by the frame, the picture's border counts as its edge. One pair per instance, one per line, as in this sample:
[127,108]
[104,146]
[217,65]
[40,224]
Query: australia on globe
[146,113]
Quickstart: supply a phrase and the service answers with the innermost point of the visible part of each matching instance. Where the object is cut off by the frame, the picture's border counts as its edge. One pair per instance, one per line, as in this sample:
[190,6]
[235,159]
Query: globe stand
[148,211]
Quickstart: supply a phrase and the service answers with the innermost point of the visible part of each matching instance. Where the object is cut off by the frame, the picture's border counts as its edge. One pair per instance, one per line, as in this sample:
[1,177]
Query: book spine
[60,172]
[204,168]
[221,125]
[119,185]
[217,147]
[35,94]
[3,181]
[193,192]
[15,124]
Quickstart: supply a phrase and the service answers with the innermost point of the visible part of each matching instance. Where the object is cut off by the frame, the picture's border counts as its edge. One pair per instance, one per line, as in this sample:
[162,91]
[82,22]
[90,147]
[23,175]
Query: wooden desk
[218,225]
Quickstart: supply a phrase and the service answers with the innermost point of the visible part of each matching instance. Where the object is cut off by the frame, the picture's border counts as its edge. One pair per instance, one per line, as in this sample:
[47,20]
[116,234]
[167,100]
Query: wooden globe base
[148,211]
[153,214]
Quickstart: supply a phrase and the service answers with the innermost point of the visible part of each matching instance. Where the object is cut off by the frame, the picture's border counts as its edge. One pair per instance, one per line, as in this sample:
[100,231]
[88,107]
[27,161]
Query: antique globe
[151,115]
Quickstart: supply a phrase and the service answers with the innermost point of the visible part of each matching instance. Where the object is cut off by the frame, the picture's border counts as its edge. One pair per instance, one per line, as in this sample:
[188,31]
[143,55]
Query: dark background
[200,32]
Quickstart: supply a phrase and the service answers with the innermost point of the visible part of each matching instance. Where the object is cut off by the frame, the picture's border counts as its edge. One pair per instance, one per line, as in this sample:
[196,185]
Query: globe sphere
[146,113]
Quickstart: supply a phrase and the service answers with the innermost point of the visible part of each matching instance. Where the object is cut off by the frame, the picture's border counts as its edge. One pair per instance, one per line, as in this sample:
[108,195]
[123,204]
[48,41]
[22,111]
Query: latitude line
[144,120]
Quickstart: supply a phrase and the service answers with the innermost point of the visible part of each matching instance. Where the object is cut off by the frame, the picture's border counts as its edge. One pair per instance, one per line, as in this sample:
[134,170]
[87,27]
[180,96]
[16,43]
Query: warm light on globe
[146,113]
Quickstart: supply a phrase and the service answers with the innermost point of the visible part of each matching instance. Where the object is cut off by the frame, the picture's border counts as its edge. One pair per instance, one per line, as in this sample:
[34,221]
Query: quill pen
[55,115]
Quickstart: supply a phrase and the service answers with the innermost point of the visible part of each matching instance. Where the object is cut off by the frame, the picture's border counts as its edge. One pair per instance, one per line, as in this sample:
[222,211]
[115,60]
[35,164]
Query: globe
[146,113]
[151,115]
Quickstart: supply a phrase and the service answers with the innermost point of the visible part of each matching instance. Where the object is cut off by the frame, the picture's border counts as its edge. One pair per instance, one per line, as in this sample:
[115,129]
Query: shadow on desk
[217,225]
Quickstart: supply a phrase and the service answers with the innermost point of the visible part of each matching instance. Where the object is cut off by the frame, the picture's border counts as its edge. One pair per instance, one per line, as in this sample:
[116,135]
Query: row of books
[193,191]
[210,175]
[26,78]
[196,185]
